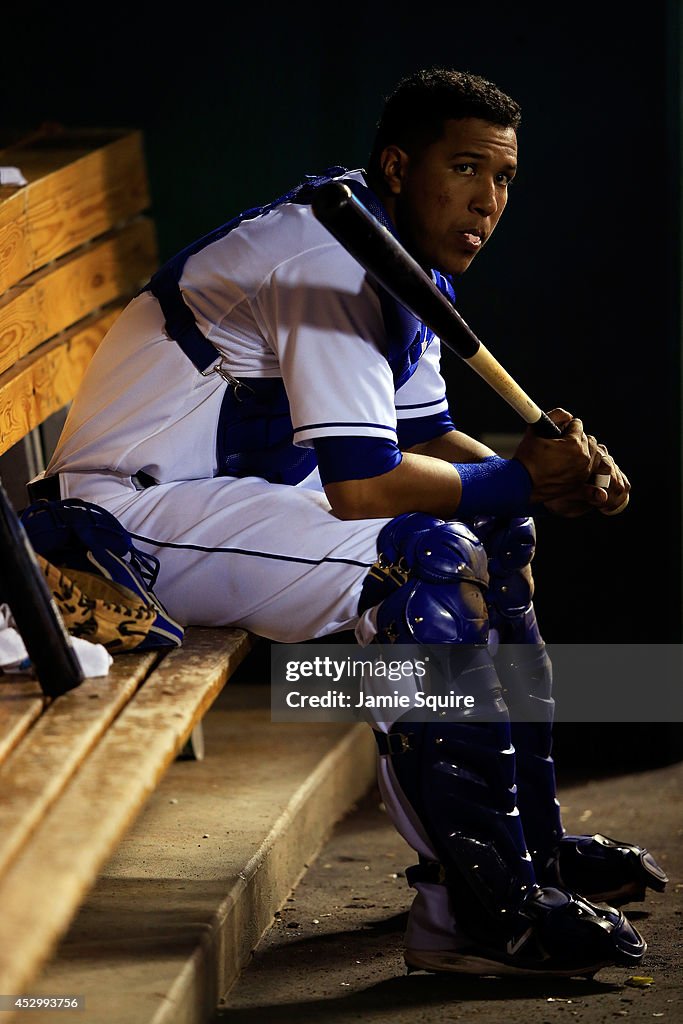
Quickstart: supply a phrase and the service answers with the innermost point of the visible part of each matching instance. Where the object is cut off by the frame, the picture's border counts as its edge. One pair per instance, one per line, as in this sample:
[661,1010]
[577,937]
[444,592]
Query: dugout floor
[333,955]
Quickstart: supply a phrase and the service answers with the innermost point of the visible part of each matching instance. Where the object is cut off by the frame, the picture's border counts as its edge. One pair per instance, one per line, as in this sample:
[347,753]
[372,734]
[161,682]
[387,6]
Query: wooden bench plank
[45,381]
[83,827]
[75,771]
[34,775]
[80,186]
[53,299]
[21,702]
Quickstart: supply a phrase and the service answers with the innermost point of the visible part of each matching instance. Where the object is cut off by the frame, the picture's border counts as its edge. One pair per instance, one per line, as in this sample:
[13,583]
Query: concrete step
[177,911]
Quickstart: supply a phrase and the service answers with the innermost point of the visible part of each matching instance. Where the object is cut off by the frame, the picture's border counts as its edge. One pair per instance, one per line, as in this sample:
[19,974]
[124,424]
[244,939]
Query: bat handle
[616,511]
[545,427]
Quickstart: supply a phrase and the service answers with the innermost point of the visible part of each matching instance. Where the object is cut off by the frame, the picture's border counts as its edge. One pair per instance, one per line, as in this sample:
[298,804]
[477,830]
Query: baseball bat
[33,607]
[392,266]
[383,256]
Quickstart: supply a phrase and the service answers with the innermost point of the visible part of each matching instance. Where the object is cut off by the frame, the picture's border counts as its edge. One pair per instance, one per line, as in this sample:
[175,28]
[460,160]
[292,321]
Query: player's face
[448,197]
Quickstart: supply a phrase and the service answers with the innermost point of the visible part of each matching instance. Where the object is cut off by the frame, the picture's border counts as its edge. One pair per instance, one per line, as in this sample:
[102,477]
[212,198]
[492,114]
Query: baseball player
[275,429]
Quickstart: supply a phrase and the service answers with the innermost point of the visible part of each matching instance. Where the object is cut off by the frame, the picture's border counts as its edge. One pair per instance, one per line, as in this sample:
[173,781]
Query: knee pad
[435,575]
[401,542]
[510,546]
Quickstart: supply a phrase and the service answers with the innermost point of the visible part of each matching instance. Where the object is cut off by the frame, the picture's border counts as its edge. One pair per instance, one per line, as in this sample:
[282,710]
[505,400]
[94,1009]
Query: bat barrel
[383,256]
[385,259]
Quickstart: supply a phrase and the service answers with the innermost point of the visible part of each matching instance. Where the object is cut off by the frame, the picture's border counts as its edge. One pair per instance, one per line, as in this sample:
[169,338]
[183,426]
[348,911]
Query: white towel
[12,176]
[94,659]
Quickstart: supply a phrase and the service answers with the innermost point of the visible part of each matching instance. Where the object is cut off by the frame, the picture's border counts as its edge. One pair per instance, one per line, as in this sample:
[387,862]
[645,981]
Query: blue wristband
[495,487]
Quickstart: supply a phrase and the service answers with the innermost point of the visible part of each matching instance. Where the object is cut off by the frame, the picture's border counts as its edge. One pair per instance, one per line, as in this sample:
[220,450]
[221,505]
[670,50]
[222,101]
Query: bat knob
[616,511]
[329,199]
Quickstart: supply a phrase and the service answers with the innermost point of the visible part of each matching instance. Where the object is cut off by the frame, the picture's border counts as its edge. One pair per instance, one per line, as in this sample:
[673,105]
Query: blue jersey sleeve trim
[355,458]
[345,423]
[421,405]
[423,428]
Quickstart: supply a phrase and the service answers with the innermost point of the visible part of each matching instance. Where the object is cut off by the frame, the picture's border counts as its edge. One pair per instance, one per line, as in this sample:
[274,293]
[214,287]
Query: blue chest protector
[255,428]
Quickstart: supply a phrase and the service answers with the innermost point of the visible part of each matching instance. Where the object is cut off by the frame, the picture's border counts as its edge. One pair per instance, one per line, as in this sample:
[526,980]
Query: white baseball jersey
[279,299]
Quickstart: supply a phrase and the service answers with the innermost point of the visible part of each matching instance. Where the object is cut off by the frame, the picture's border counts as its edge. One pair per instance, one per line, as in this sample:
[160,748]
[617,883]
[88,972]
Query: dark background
[577,295]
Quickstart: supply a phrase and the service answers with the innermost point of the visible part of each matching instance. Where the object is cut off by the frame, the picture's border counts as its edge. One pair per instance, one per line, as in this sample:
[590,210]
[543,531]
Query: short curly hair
[415,112]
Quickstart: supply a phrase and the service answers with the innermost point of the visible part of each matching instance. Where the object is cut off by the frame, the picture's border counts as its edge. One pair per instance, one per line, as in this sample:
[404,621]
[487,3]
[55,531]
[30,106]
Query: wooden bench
[76,243]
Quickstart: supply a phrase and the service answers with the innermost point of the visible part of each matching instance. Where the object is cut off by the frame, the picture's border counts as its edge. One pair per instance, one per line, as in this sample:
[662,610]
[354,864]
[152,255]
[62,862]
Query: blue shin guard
[525,673]
[603,869]
[458,772]
[458,777]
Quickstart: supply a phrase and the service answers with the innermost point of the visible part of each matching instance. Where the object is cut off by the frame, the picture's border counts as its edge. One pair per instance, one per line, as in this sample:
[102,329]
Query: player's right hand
[561,468]
[619,486]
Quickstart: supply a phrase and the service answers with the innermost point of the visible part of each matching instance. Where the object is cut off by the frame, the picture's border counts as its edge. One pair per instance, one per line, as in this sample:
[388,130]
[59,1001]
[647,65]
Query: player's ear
[393,162]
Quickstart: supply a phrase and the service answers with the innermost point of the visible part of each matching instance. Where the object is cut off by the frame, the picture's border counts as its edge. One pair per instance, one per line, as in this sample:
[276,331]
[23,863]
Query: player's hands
[619,487]
[610,498]
[567,472]
[561,468]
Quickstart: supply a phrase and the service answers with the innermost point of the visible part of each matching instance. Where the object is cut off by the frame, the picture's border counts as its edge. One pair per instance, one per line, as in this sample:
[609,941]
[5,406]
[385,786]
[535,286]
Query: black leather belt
[49,487]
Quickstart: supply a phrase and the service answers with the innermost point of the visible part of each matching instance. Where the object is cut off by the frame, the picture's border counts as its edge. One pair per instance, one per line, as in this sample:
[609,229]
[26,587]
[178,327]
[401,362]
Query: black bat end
[544,427]
[329,199]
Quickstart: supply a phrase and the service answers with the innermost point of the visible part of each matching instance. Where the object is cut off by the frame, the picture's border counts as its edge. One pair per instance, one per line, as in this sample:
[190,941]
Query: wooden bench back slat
[45,381]
[80,186]
[58,296]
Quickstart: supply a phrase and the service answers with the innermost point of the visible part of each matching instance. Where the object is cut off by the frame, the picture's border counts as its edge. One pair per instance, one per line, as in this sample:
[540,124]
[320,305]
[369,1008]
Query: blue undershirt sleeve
[355,458]
[419,429]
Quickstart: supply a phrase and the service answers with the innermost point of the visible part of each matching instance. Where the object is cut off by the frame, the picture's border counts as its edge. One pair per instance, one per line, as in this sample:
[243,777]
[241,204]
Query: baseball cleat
[470,962]
[557,934]
[605,870]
